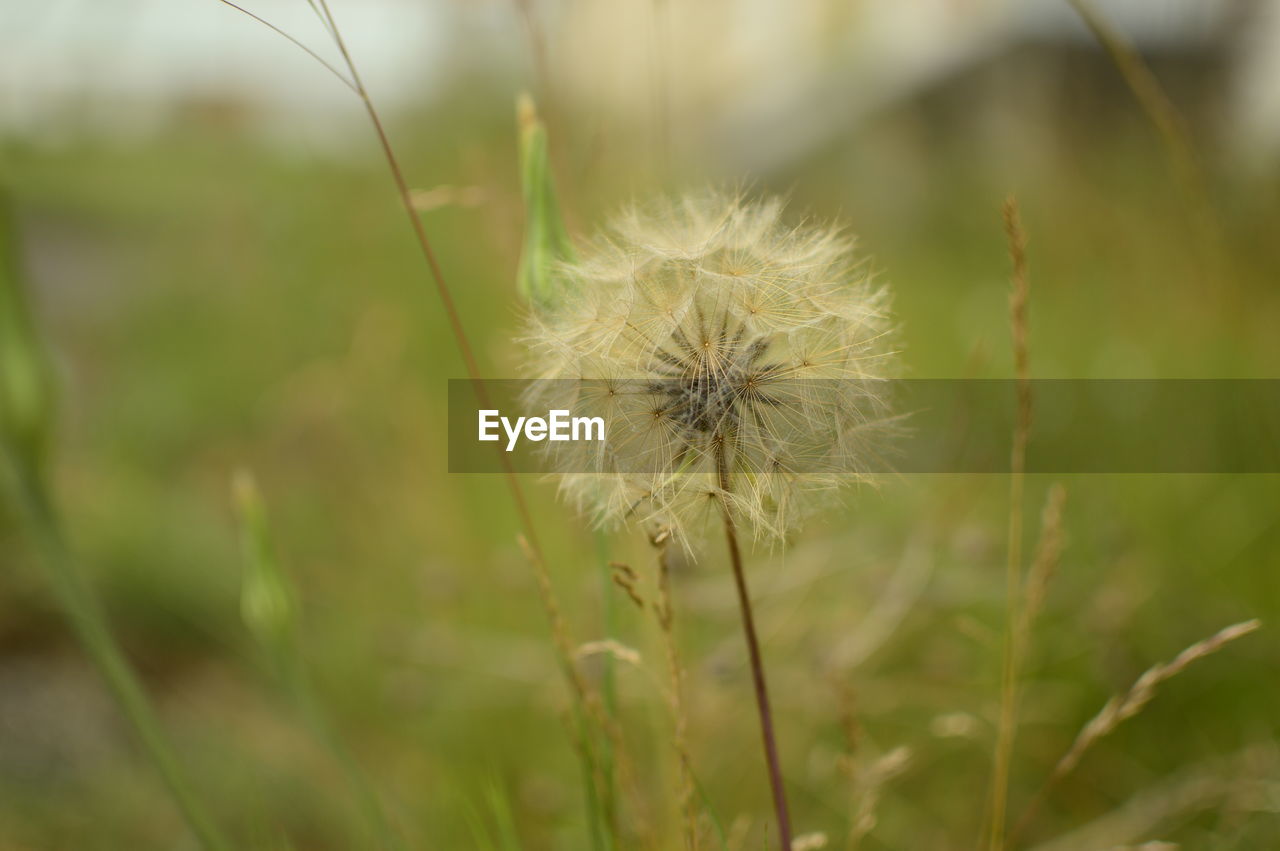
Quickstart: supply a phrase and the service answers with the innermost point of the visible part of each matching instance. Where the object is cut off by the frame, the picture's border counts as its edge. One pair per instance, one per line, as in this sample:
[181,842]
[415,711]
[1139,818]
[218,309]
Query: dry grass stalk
[586,700]
[1019,298]
[1214,257]
[1121,708]
[664,613]
[1164,116]
[1147,91]
[1019,302]
[619,769]
[1044,564]
[559,629]
[528,541]
[865,783]
[625,578]
[871,783]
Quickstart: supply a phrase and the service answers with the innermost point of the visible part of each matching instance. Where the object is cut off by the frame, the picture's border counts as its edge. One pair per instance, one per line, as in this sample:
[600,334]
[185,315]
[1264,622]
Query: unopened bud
[26,393]
[545,239]
[267,600]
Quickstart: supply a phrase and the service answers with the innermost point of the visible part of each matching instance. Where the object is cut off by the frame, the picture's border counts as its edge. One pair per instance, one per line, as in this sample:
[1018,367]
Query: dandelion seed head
[712,337]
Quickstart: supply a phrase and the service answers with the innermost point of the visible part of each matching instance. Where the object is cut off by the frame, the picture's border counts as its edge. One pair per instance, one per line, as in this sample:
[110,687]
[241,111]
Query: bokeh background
[215,257]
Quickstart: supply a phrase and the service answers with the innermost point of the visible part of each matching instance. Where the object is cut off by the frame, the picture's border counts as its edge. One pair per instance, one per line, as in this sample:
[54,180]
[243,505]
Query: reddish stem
[753,651]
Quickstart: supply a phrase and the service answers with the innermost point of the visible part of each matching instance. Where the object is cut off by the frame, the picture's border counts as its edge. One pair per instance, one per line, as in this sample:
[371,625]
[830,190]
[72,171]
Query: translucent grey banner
[860,427]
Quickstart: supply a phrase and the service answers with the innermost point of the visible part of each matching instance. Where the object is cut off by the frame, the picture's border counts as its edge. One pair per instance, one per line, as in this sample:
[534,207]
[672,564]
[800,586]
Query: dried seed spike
[1044,564]
[626,583]
[624,569]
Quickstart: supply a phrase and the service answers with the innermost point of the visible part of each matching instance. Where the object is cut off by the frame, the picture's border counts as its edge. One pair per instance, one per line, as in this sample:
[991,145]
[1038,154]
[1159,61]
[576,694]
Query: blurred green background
[215,296]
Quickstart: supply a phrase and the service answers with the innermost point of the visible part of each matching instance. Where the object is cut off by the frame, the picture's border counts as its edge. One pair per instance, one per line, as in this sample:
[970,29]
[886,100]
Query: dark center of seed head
[710,400]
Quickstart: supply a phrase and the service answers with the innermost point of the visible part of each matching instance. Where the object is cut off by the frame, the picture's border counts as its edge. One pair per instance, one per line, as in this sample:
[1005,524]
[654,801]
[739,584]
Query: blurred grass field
[213,302]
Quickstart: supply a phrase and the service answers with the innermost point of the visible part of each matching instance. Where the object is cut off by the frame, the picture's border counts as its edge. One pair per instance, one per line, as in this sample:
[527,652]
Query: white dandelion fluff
[735,361]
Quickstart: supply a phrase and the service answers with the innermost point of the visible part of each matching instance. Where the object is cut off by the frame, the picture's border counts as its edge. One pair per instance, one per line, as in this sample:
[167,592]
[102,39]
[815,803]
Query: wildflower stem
[89,622]
[753,651]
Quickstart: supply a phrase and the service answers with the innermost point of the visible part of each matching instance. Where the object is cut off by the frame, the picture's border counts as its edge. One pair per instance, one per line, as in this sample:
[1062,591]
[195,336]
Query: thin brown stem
[280,32]
[460,339]
[586,702]
[406,200]
[1175,135]
[753,652]
[1151,97]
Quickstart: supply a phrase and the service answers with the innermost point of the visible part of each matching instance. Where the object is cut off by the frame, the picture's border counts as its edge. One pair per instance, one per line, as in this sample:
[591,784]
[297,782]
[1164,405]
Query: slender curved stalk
[89,622]
[609,685]
[665,611]
[1008,724]
[753,652]
[529,538]
[585,707]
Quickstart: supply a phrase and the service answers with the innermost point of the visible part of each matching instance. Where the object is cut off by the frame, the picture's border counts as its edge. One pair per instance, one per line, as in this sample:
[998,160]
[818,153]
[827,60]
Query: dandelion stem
[753,651]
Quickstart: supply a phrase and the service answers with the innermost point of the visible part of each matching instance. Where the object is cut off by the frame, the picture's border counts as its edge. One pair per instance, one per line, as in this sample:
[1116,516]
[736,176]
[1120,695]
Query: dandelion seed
[717,344]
